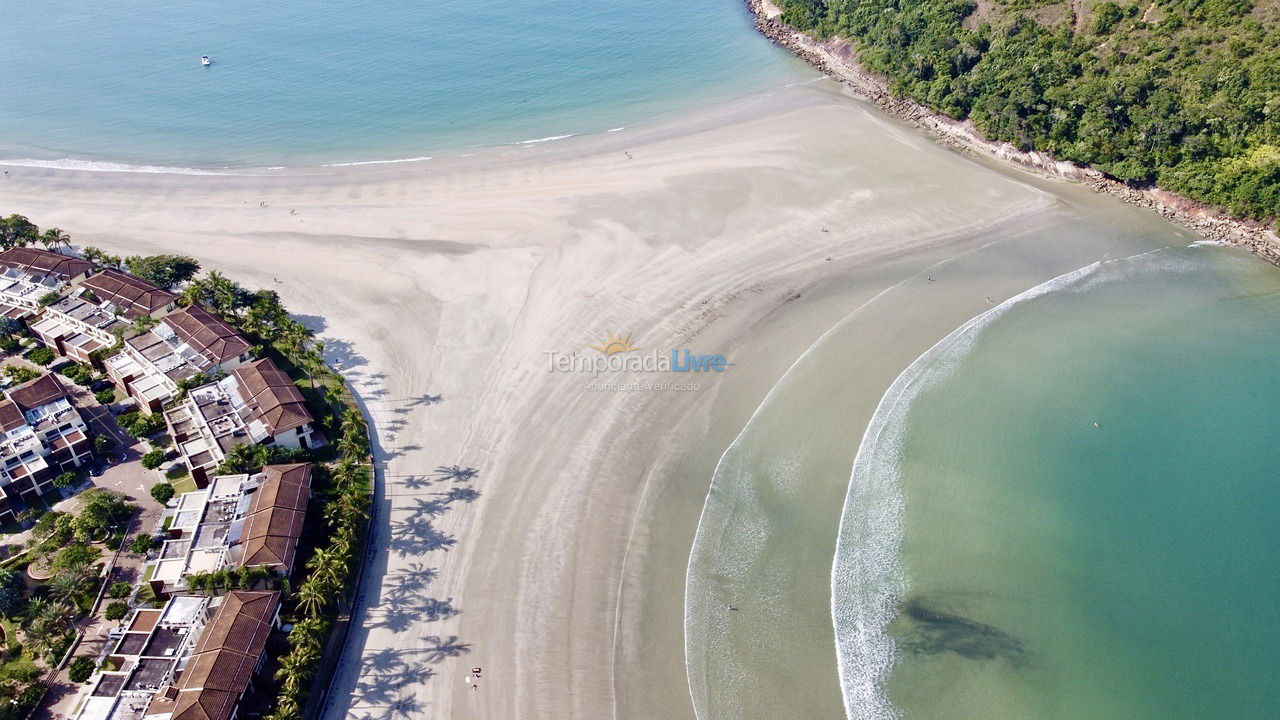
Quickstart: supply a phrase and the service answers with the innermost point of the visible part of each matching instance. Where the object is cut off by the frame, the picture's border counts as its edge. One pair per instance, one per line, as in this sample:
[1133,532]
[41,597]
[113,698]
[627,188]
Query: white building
[100,307]
[41,436]
[238,521]
[256,403]
[180,346]
[28,274]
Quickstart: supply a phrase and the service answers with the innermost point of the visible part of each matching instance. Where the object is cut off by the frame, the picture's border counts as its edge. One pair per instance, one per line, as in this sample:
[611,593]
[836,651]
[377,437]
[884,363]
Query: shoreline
[837,59]
[741,229]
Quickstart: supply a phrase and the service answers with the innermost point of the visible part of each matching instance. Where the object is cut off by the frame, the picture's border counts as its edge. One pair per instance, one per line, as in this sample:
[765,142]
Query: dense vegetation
[1182,93]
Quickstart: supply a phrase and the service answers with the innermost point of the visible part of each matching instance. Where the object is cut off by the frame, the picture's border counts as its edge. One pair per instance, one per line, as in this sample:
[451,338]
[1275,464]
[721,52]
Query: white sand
[455,276]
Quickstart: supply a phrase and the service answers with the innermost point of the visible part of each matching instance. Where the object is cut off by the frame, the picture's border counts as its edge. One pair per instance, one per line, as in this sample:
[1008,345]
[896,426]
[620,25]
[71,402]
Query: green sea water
[1087,502]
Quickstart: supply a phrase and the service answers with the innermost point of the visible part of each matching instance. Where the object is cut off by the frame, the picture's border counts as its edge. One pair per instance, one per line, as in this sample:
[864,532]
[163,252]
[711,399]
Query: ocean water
[1067,508]
[118,81]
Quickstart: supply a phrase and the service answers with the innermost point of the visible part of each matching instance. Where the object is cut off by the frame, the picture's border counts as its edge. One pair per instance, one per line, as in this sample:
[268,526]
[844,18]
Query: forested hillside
[1182,93]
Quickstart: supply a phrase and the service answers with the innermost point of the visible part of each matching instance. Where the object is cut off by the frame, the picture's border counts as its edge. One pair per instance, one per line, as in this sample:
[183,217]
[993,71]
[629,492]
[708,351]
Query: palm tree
[287,708]
[53,238]
[66,585]
[311,598]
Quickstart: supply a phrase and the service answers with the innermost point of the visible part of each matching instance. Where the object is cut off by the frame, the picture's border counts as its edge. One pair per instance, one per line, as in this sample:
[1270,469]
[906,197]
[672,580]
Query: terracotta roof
[10,415]
[44,262]
[225,658]
[41,391]
[134,296]
[274,522]
[273,397]
[207,334]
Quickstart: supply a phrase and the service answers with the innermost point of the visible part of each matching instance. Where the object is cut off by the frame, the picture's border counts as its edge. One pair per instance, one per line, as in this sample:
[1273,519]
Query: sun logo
[614,344]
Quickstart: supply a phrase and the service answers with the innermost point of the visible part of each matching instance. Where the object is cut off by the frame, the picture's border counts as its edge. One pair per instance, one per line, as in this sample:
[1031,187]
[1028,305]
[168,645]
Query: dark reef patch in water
[929,631]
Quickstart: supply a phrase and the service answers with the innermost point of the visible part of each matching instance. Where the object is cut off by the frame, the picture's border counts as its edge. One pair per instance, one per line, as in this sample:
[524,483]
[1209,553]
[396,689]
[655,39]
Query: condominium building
[195,659]
[28,274]
[43,435]
[237,521]
[256,403]
[100,309]
[182,345]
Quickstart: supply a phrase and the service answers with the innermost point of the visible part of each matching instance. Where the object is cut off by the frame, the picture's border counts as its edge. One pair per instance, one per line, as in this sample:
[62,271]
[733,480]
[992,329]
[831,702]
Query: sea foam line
[101,166]
[867,578]
[379,162]
[545,139]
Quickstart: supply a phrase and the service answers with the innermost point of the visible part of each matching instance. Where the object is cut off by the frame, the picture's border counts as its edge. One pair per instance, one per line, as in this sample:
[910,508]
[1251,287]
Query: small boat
[204,60]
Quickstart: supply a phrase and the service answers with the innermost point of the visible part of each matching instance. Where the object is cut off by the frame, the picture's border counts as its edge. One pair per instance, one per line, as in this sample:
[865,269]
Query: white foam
[379,162]
[101,166]
[617,129]
[867,579]
[545,139]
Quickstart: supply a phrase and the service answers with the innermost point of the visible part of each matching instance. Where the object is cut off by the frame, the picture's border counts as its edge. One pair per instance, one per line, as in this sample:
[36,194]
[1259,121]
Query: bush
[23,671]
[21,373]
[65,480]
[115,610]
[140,545]
[141,425]
[14,649]
[41,356]
[153,459]
[105,397]
[9,344]
[119,590]
[77,373]
[81,669]
[163,492]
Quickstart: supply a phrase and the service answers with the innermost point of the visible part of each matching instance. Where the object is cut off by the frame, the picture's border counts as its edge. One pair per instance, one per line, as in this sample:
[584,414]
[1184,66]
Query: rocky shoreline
[836,58]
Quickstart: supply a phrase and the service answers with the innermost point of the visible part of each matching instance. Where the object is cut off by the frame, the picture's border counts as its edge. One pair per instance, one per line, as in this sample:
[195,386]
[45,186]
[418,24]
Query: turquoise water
[1043,566]
[310,82]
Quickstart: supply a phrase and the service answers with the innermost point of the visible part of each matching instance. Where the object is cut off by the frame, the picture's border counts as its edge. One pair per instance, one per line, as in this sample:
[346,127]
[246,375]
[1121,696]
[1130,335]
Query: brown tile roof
[225,658]
[274,522]
[208,334]
[274,399]
[134,296]
[44,262]
[10,415]
[41,391]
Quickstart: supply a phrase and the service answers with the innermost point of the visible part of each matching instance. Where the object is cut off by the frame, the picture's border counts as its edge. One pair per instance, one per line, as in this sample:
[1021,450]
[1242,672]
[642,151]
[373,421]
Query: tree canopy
[1182,93]
[163,270]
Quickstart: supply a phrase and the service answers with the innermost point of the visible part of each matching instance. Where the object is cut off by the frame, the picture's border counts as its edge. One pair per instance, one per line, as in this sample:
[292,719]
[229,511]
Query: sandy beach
[747,229]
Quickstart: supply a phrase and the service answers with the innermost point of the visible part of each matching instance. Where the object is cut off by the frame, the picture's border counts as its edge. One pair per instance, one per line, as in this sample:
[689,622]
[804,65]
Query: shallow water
[1058,568]
[119,81]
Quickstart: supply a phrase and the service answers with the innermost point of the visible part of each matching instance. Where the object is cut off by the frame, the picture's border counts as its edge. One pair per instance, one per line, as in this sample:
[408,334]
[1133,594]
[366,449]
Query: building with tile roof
[187,343]
[256,403]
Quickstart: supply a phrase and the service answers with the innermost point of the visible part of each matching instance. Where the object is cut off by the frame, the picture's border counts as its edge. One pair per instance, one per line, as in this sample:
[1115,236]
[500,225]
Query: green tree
[80,669]
[17,231]
[115,610]
[120,590]
[163,270]
[162,492]
[55,238]
[66,479]
[153,459]
[140,545]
